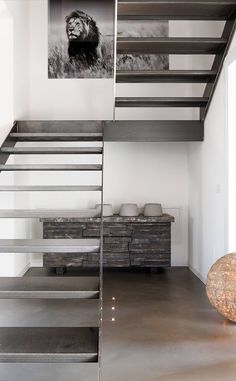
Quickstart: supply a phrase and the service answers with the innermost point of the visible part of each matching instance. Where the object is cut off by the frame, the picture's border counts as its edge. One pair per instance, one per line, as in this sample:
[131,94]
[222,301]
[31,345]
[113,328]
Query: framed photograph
[81,38]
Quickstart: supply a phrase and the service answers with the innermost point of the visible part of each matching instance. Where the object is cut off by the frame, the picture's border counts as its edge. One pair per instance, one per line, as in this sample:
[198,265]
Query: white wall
[13,100]
[19,11]
[207,189]
[6,72]
[151,172]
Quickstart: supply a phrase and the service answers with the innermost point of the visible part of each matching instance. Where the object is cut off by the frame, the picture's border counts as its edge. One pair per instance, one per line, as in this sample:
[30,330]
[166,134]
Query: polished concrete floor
[162,329]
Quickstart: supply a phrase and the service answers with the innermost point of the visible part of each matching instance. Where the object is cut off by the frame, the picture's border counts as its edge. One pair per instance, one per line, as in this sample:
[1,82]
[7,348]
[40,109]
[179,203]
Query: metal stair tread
[170,76]
[56,136]
[161,102]
[176,10]
[79,311]
[170,45]
[78,344]
[51,188]
[49,287]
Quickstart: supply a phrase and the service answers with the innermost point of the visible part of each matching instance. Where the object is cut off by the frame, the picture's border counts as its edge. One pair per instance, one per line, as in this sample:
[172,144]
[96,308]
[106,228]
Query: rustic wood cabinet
[128,241]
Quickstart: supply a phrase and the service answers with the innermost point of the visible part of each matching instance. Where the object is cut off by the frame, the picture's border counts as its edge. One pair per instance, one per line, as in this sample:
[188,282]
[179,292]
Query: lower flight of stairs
[48,295]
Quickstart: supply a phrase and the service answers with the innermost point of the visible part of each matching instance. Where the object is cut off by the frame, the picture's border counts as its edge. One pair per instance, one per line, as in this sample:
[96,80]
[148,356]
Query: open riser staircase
[29,337]
[171,10]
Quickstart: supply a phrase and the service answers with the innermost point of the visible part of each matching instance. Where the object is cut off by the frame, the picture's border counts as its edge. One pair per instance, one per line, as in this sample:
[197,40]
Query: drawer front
[87,260]
[109,230]
[59,230]
[116,244]
[116,259]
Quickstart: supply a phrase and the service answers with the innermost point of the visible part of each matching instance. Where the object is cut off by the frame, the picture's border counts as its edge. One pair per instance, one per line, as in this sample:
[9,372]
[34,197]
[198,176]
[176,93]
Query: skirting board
[24,270]
[198,274]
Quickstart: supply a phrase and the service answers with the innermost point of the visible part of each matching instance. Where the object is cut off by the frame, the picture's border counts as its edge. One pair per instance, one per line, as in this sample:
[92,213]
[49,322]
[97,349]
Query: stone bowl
[152,210]
[129,210]
[107,209]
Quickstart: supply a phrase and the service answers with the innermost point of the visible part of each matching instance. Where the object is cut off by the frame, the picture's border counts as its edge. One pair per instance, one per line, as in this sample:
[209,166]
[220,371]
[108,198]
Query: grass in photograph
[59,65]
[142,62]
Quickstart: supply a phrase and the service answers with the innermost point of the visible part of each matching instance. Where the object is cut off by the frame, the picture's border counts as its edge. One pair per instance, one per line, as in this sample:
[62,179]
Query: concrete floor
[162,329]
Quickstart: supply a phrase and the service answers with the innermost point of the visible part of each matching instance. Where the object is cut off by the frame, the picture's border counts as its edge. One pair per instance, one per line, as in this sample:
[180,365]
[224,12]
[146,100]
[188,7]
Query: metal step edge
[76,246]
[44,136]
[161,102]
[48,358]
[51,188]
[51,167]
[52,151]
[49,213]
[49,294]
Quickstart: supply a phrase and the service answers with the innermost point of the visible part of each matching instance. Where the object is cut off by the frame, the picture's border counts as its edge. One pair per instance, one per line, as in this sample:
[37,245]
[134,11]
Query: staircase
[130,10]
[29,336]
[34,339]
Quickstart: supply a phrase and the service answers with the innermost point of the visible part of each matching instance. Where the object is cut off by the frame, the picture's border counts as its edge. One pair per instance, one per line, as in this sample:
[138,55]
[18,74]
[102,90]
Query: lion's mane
[84,45]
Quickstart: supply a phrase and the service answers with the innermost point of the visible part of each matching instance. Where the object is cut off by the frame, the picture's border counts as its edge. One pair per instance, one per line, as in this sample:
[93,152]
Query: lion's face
[77,28]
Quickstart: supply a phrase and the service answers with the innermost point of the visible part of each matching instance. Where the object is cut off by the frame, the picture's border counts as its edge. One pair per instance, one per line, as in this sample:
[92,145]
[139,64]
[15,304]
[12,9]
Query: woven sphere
[221,286]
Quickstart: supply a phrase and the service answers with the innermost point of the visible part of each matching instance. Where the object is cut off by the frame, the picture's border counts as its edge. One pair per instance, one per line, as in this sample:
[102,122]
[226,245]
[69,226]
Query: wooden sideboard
[128,241]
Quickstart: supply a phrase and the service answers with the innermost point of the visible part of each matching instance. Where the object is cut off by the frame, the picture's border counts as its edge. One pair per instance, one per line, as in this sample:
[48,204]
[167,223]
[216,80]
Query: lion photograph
[80,39]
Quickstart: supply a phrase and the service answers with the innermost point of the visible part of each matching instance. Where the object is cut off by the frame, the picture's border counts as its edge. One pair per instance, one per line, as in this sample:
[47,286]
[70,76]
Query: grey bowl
[152,210]
[107,209]
[129,210]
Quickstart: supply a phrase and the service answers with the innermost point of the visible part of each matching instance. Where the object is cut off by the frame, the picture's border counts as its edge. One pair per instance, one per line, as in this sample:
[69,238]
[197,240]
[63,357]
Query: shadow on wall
[6,71]
[10,264]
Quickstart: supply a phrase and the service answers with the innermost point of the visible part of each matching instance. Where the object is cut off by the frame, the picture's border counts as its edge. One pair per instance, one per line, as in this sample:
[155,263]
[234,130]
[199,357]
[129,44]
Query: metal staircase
[32,339]
[213,10]
[36,340]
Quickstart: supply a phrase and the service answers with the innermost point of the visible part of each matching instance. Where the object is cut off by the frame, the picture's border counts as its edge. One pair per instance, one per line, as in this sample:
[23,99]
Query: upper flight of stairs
[47,343]
[214,10]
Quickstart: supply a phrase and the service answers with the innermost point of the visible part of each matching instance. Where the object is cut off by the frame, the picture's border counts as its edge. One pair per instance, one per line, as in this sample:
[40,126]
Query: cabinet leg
[60,270]
[157,270]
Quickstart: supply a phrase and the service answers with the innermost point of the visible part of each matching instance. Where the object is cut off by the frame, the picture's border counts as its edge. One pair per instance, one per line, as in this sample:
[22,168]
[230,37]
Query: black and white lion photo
[80,39]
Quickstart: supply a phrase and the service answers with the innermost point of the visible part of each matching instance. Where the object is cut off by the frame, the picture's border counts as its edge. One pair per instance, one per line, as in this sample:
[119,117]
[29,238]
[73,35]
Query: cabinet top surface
[114,219]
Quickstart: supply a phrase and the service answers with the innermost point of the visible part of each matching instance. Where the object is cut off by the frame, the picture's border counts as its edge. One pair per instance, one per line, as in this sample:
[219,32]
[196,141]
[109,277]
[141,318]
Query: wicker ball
[221,286]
